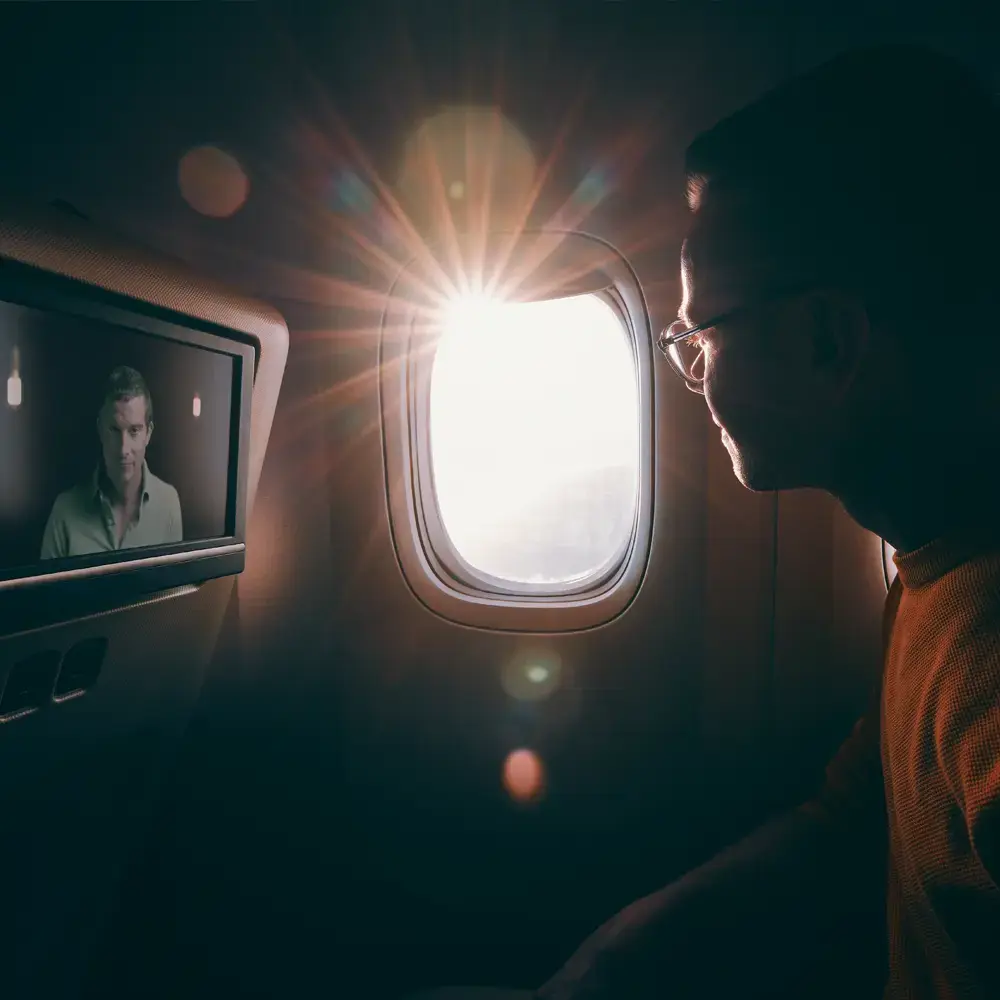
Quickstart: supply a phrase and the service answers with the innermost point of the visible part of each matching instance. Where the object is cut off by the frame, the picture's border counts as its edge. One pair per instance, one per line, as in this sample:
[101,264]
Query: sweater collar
[930,562]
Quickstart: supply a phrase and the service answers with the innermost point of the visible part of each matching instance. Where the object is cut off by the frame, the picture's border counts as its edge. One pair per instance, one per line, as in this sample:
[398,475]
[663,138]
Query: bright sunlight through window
[534,434]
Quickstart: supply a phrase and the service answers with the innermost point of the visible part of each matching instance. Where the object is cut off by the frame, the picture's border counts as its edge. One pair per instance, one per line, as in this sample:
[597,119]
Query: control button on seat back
[29,684]
[81,666]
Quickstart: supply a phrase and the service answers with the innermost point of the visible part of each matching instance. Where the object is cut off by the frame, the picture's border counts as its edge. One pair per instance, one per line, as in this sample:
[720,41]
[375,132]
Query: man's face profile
[760,382]
[124,432]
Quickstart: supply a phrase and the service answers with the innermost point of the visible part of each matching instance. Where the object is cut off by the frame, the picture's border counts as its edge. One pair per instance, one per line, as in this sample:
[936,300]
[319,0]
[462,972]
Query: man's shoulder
[959,616]
[160,490]
[966,601]
[72,501]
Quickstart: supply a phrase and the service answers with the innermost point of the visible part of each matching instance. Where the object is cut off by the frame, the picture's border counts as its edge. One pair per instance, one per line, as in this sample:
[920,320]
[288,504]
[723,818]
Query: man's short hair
[126,383]
[880,169]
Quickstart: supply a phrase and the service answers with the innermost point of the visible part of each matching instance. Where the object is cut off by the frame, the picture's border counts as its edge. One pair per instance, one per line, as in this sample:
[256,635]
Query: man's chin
[121,477]
[754,475]
[759,479]
[759,475]
[754,483]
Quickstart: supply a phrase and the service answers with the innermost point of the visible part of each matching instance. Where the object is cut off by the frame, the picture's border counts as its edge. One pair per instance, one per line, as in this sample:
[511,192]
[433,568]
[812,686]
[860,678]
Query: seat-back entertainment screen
[120,440]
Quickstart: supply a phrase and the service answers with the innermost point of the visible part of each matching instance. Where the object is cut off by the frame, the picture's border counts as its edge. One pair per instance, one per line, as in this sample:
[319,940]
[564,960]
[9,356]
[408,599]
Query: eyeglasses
[683,348]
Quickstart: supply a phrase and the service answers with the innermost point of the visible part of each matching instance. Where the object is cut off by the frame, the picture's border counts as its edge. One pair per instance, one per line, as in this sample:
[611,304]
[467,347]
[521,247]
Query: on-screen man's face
[124,433]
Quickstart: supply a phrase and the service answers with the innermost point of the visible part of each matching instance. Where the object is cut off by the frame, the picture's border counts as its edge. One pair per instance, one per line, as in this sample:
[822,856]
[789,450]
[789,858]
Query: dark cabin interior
[312,786]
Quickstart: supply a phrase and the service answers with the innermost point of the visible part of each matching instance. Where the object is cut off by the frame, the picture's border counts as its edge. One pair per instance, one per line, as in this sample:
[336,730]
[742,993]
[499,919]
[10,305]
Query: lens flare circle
[524,775]
[352,194]
[212,182]
[470,160]
[532,674]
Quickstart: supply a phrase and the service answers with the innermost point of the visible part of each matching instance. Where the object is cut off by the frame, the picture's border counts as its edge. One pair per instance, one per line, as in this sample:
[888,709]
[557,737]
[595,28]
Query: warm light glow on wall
[14,382]
[196,405]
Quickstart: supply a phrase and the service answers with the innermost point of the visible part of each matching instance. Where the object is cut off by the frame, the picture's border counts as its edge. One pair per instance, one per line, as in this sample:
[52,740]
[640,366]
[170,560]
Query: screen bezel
[79,583]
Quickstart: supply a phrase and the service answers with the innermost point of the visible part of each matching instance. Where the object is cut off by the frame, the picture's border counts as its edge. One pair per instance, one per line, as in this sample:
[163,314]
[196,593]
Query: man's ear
[149,431]
[840,331]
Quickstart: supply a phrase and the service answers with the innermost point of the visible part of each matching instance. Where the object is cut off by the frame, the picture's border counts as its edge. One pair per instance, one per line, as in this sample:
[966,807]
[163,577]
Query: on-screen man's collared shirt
[82,521]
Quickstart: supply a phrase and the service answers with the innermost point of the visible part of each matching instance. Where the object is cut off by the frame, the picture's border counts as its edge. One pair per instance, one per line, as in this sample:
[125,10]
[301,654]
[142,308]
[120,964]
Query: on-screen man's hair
[126,383]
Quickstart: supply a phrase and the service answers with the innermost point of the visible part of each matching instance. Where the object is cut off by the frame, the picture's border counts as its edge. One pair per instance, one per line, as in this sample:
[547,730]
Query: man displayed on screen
[121,505]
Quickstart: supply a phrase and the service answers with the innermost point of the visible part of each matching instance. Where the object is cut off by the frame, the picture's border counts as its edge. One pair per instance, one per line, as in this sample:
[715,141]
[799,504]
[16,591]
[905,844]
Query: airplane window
[534,438]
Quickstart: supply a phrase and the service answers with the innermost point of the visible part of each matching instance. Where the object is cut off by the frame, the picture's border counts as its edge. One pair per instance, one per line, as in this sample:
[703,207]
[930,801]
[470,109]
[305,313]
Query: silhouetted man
[122,505]
[840,316]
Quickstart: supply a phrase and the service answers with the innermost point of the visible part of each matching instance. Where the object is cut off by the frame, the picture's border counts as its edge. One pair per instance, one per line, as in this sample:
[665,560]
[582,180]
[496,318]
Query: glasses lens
[687,354]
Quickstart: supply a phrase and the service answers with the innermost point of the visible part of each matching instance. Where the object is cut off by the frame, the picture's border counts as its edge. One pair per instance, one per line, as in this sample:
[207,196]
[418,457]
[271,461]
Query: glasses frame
[671,336]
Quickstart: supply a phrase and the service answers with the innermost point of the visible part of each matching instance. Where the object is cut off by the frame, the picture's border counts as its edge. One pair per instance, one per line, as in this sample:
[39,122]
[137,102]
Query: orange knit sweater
[940,741]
